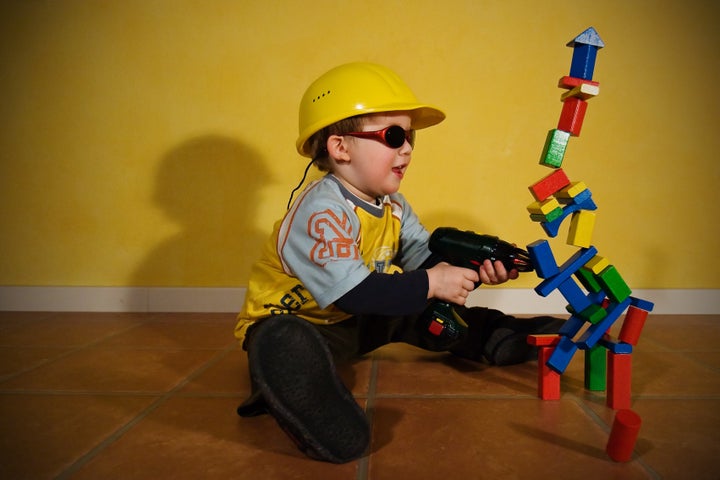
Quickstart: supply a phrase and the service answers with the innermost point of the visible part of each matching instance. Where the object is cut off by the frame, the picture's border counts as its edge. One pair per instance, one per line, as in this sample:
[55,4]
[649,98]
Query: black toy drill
[440,325]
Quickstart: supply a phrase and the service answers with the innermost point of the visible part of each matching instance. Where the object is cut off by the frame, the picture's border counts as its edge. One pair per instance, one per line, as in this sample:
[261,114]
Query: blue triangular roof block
[588,37]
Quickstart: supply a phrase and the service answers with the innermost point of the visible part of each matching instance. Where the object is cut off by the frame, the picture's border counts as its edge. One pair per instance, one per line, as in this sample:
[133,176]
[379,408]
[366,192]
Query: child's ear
[337,148]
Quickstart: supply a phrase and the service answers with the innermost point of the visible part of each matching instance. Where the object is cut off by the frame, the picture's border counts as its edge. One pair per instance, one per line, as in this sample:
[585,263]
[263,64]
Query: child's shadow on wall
[209,186]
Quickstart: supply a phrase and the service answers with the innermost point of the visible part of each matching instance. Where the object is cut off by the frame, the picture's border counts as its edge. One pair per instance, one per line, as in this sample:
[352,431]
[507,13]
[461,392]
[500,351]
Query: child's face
[373,168]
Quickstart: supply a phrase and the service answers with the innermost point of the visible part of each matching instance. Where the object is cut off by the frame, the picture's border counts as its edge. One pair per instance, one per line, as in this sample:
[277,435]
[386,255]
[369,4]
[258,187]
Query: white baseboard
[162,299]
[121,299]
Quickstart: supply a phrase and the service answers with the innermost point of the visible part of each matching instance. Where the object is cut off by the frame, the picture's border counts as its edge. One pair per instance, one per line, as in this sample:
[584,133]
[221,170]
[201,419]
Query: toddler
[348,268]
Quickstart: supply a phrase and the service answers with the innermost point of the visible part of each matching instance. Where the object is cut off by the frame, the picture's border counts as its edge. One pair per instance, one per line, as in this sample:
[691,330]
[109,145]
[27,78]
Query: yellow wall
[152,143]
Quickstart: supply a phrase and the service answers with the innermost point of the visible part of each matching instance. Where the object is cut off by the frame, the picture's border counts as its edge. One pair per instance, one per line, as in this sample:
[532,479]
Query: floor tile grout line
[675,396]
[237,394]
[112,438]
[595,418]
[119,393]
[699,363]
[589,412]
[376,399]
[117,434]
[158,348]
[71,350]
[453,396]
[390,396]
[85,393]
[363,470]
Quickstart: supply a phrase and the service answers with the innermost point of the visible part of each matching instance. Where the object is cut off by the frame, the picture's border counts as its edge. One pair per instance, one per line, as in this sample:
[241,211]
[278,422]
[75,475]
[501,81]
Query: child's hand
[451,284]
[495,274]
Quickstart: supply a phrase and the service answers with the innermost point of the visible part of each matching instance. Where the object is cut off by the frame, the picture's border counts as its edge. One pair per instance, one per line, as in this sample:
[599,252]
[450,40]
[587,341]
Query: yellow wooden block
[597,264]
[583,91]
[544,207]
[572,190]
[581,228]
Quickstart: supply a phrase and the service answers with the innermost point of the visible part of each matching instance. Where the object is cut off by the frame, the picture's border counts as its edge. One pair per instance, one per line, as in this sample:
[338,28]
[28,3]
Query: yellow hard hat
[355,89]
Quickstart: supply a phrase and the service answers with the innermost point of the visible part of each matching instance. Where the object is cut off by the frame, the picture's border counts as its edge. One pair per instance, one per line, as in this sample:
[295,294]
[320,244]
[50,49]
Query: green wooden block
[614,284]
[593,314]
[588,280]
[595,368]
[554,150]
[552,215]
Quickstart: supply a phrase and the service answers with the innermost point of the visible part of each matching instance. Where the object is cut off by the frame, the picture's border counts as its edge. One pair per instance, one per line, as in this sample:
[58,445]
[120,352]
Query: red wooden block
[548,379]
[572,82]
[623,435]
[633,325]
[549,185]
[572,115]
[619,370]
[543,340]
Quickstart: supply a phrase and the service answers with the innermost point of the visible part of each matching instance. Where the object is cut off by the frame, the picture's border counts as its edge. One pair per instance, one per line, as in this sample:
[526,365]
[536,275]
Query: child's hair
[318,141]
[317,146]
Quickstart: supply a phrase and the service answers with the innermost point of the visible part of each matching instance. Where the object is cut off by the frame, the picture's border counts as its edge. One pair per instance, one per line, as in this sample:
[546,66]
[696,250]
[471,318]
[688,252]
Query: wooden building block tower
[596,293]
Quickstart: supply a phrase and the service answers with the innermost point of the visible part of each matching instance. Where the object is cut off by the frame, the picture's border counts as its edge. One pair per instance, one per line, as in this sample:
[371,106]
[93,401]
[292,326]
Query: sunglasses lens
[395,136]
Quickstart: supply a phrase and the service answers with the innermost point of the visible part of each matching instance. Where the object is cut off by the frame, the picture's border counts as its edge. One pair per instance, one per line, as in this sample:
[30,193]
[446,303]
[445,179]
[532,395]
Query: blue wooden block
[642,304]
[594,333]
[585,203]
[589,36]
[571,326]
[614,346]
[597,297]
[561,356]
[542,258]
[582,196]
[580,258]
[574,295]
[585,47]
[583,62]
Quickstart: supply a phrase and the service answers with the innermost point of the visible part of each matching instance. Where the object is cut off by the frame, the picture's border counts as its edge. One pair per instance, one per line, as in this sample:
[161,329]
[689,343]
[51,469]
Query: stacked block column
[595,290]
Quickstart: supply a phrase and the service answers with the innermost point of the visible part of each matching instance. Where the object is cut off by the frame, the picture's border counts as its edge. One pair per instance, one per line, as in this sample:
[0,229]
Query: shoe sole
[295,372]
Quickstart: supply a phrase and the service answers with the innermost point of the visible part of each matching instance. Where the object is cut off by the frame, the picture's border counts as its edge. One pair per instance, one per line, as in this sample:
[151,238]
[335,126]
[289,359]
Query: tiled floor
[136,396]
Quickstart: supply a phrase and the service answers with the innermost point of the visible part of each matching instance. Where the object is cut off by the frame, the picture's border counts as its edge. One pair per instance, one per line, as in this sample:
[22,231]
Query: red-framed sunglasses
[393,136]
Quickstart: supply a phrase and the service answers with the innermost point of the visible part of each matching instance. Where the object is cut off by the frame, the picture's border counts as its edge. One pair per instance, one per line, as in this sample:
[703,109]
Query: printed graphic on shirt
[334,239]
[290,302]
[299,275]
[379,238]
[381,259]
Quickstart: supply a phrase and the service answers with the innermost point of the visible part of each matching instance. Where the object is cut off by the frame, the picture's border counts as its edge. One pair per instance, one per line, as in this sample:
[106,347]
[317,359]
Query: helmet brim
[421,116]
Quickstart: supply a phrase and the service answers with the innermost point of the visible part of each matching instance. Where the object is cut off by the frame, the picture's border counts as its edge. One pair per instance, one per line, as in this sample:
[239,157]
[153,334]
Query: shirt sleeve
[387,294]
[317,243]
